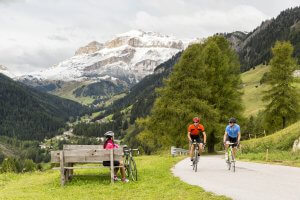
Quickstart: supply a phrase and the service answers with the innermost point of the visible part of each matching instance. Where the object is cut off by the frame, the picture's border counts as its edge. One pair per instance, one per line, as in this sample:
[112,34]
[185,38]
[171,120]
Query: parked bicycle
[129,164]
[230,159]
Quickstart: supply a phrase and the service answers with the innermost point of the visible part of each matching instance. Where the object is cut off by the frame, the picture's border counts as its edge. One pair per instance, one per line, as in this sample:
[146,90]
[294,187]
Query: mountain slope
[26,113]
[255,47]
[253,89]
[125,59]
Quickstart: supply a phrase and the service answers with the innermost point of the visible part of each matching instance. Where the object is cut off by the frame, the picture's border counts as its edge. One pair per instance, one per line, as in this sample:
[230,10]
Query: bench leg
[71,171]
[62,169]
[112,171]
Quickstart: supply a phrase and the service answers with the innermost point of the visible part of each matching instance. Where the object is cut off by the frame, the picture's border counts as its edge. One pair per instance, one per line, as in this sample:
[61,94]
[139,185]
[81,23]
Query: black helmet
[109,134]
[232,120]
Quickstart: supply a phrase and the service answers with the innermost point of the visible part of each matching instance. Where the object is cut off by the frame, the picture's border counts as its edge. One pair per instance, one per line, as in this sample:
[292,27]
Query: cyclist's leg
[192,150]
[226,145]
[200,142]
[234,147]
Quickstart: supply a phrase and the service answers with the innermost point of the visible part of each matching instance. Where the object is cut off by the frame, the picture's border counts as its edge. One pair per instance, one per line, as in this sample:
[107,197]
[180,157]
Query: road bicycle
[230,159]
[196,156]
[129,164]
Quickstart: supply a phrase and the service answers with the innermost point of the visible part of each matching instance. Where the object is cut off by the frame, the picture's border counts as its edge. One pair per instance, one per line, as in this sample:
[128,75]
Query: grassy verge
[155,182]
[278,146]
[278,157]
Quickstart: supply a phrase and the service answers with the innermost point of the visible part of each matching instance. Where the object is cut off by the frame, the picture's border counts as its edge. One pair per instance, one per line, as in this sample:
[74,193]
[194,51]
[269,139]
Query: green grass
[275,157]
[155,182]
[282,140]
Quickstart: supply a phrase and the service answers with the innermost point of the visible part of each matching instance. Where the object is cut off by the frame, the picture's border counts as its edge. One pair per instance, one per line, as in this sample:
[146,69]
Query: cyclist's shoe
[192,159]
[125,180]
[116,178]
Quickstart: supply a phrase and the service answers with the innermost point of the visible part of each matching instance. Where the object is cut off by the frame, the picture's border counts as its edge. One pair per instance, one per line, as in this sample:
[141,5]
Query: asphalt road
[250,181]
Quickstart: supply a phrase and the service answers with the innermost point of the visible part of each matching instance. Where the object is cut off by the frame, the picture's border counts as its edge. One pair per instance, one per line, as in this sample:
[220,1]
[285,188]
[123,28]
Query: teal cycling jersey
[233,131]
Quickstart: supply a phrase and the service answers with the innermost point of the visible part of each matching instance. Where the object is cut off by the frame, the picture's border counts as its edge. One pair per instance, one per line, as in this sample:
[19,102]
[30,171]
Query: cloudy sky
[36,34]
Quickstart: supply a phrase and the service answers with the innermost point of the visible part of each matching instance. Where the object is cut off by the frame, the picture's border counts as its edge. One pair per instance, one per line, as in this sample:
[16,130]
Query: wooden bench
[72,154]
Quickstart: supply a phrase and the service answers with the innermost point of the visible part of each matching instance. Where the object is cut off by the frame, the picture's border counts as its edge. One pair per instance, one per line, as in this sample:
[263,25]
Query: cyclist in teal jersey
[232,135]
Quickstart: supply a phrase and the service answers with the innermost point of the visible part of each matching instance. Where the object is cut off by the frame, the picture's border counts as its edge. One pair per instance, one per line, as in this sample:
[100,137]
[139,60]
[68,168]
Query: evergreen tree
[184,96]
[223,77]
[203,83]
[282,97]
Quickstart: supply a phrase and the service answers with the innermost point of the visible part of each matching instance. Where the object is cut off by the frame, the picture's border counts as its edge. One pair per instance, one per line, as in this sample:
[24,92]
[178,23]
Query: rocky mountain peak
[126,58]
[92,47]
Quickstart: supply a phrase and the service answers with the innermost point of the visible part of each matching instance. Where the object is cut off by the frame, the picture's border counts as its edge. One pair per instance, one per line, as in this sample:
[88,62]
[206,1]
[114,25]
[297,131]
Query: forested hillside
[26,113]
[255,48]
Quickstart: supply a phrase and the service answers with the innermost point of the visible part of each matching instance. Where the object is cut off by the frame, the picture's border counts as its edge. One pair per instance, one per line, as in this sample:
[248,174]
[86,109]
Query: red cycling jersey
[195,130]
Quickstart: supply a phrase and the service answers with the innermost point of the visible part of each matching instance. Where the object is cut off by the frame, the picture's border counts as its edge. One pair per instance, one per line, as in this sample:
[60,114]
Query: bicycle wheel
[229,160]
[133,170]
[196,160]
[126,165]
[233,163]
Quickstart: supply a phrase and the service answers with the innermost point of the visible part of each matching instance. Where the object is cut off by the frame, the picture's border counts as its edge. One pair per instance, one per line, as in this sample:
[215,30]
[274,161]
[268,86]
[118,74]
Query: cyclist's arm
[204,137]
[239,137]
[225,136]
[189,136]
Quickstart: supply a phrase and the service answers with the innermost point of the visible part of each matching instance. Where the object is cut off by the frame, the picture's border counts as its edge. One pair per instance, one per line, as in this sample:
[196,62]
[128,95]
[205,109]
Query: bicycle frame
[230,159]
[129,163]
[196,155]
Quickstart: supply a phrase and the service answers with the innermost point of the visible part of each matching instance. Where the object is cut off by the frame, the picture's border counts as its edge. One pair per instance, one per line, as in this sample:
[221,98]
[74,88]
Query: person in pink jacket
[110,144]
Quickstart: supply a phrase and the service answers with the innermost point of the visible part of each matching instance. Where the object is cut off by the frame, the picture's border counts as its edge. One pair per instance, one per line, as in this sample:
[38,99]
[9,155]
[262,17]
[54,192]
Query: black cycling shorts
[107,163]
[196,138]
[232,140]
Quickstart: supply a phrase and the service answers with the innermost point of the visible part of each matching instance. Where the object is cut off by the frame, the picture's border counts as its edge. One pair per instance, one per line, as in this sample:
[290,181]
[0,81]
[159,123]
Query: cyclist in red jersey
[194,134]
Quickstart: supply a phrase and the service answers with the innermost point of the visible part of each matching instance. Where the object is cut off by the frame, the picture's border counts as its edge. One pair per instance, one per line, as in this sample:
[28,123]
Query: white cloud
[36,34]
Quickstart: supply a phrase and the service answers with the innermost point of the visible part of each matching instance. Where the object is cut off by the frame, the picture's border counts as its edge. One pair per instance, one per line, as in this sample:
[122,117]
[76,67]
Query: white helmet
[109,134]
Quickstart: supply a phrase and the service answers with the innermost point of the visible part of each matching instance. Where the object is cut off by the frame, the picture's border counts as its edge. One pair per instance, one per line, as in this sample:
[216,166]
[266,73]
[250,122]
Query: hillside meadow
[253,91]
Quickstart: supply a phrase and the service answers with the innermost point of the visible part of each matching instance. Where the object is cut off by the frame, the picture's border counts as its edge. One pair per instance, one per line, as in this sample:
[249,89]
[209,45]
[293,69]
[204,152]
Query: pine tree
[203,83]
[223,77]
[184,96]
[282,97]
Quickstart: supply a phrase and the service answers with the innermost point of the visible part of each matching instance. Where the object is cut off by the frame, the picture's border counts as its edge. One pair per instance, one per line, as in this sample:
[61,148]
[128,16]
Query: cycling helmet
[196,119]
[109,134]
[232,120]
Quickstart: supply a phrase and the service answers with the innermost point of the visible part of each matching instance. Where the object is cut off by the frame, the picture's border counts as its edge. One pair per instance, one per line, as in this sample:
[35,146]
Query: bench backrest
[86,155]
[77,147]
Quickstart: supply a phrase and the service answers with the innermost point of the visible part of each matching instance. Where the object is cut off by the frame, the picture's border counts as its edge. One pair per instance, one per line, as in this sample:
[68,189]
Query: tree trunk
[211,142]
[283,122]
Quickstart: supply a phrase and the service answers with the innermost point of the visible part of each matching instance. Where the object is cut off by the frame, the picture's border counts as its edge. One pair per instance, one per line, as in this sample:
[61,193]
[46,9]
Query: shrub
[29,166]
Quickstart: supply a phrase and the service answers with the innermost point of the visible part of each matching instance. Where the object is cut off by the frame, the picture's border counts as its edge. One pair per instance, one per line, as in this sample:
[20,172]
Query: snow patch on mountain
[129,56]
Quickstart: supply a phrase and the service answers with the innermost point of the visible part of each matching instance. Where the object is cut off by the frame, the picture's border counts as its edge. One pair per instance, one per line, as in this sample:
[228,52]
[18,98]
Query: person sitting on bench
[110,144]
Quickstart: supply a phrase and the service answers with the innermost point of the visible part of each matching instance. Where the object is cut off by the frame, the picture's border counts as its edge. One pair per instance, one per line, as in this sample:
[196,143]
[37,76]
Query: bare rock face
[117,42]
[90,48]
[296,146]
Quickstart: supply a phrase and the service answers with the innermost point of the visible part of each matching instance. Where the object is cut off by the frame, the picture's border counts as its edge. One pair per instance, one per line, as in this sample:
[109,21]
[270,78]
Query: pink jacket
[111,145]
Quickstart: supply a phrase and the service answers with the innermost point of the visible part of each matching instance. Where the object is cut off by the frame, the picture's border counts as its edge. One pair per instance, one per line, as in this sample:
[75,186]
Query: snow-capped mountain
[128,57]
[5,71]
